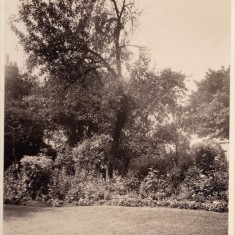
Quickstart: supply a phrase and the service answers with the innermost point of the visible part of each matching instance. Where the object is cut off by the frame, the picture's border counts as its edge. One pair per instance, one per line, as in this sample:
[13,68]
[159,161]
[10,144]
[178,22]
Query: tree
[81,47]
[154,103]
[23,125]
[208,109]
[70,40]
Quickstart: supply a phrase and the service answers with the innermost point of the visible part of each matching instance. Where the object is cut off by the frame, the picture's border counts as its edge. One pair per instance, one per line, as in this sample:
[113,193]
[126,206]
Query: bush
[209,157]
[93,154]
[151,184]
[158,186]
[36,171]
[15,190]
[32,182]
[205,187]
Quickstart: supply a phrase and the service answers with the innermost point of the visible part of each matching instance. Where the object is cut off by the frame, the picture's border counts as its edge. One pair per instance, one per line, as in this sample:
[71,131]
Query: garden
[91,122]
[72,179]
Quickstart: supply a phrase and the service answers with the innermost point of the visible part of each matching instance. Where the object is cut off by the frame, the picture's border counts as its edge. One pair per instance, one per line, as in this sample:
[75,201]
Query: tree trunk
[120,122]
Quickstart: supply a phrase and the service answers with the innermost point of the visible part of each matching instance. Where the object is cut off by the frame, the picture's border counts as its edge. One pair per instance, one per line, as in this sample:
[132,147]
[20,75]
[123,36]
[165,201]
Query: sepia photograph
[116,117]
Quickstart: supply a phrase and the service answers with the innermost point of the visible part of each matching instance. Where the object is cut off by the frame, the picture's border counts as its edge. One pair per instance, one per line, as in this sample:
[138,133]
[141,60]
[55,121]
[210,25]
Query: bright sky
[187,35]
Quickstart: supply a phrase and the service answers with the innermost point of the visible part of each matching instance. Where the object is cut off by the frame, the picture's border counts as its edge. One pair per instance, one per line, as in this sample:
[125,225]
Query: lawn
[102,220]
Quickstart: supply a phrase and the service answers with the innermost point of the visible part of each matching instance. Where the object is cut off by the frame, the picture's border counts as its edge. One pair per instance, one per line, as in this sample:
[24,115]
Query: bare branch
[123,8]
[132,45]
[116,8]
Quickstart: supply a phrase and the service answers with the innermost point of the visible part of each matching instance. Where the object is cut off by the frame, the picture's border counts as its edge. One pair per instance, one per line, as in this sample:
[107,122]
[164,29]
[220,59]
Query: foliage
[15,191]
[93,154]
[88,75]
[31,183]
[154,97]
[157,186]
[209,157]
[123,135]
[23,124]
[36,174]
[208,109]
[77,35]
[152,185]
[202,187]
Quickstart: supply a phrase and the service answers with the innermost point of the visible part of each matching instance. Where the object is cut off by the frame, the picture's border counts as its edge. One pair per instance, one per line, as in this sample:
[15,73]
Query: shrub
[32,182]
[93,154]
[36,171]
[152,184]
[14,188]
[209,157]
[205,187]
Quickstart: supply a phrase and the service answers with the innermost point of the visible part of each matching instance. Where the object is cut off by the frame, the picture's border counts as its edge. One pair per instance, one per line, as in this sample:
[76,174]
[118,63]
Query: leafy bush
[36,171]
[157,186]
[209,157]
[152,185]
[93,154]
[32,182]
[205,187]
[156,159]
[14,188]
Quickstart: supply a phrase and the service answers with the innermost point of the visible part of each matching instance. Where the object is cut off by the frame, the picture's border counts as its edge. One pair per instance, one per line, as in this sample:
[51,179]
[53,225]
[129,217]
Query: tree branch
[132,45]
[106,64]
[83,73]
[116,8]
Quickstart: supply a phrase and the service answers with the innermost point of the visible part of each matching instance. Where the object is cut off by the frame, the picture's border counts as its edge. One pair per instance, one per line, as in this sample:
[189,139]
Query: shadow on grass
[18,211]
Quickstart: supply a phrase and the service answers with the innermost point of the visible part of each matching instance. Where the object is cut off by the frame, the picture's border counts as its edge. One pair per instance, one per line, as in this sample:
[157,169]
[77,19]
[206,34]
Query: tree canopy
[82,37]
[91,87]
[209,106]
[94,86]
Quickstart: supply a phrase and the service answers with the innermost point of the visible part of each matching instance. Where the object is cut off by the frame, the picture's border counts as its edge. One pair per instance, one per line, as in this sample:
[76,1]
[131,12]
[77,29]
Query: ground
[102,220]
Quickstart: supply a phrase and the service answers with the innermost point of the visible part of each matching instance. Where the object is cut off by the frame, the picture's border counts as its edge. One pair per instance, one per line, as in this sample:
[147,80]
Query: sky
[189,36]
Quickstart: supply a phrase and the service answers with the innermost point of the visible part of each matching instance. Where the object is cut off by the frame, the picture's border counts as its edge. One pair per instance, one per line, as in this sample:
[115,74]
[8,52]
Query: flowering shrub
[158,186]
[204,187]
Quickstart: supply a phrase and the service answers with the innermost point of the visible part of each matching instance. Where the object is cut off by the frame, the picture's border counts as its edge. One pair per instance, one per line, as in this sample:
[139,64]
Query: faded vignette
[232,116]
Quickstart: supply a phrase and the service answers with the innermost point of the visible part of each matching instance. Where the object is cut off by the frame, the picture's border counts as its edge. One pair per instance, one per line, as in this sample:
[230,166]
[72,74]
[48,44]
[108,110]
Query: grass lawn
[102,220]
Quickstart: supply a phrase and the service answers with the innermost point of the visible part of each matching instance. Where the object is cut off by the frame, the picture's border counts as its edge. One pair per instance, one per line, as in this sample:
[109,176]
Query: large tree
[70,40]
[81,47]
[208,109]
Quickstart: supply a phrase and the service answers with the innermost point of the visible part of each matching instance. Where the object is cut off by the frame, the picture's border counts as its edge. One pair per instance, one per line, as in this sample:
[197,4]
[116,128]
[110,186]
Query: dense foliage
[24,126]
[209,105]
[73,179]
[118,127]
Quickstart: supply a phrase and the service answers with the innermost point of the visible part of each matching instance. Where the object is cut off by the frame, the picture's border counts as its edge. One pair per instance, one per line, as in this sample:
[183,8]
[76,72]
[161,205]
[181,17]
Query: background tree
[208,109]
[23,125]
